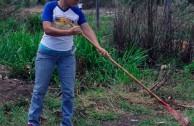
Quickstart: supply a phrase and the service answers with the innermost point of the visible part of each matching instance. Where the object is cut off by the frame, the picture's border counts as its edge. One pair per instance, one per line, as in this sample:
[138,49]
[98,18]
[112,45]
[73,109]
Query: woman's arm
[89,33]
[49,30]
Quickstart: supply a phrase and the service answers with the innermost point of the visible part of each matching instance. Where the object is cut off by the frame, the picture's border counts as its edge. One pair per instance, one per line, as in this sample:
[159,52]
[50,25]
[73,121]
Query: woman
[56,48]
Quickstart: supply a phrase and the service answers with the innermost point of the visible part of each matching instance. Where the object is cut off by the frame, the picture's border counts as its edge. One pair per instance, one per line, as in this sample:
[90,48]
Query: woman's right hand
[75,30]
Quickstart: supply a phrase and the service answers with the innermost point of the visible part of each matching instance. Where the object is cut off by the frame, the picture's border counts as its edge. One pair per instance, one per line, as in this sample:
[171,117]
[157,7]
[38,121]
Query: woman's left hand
[103,52]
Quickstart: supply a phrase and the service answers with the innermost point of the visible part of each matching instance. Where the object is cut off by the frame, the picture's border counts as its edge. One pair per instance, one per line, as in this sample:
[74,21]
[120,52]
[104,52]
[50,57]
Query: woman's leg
[44,66]
[66,70]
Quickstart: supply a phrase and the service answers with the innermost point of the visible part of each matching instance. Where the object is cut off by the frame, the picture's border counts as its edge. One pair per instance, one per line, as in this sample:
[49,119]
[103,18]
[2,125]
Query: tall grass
[19,45]
[101,70]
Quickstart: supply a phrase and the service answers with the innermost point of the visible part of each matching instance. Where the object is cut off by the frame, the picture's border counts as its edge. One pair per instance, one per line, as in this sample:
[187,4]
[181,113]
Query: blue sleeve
[47,14]
[82,18]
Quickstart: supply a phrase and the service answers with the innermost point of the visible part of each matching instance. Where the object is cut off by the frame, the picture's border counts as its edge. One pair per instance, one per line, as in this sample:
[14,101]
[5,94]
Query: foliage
[101,70]
[1,2]
[18,46]
[23,41]
[33,22]
[142,23]
[22,3]
[189,68]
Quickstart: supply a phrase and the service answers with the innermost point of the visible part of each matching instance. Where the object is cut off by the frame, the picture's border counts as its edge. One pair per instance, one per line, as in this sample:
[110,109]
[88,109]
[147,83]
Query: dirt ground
[12,90]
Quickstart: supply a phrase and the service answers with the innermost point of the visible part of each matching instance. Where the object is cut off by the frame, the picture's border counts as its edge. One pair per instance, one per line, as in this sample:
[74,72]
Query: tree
[167,47]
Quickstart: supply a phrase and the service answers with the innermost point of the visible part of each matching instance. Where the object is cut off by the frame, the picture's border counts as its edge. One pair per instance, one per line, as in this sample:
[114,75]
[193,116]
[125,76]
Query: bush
[189,68]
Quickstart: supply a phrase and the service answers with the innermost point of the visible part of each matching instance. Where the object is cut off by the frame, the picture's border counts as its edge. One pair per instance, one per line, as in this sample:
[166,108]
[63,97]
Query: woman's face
[72,2]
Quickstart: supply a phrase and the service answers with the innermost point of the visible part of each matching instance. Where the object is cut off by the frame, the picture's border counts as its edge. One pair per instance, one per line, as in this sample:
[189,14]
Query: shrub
[189,68]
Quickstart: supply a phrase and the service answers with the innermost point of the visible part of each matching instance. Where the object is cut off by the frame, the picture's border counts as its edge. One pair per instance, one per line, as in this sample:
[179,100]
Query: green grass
[19,45]
[133,109]
[13,113]
[80,121]
[185,88]
[189,68]
[104,116]
[92,107]
[190,114]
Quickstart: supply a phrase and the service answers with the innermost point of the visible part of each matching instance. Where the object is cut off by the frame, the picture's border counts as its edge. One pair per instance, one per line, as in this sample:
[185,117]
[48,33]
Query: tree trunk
[192,43]
[167,45]
[167,12]
[150,31]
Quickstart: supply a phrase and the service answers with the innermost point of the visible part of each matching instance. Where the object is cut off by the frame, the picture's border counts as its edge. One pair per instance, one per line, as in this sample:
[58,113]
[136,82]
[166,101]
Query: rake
[183,120]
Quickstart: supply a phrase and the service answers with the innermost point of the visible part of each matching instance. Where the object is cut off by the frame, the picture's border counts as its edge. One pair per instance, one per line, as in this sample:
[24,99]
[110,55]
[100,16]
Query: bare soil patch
[12,90]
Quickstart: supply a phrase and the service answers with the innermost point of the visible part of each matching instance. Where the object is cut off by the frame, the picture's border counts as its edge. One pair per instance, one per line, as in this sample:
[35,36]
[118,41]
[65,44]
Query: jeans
[44,66]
